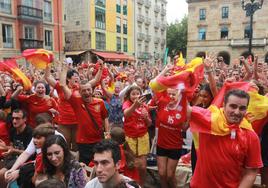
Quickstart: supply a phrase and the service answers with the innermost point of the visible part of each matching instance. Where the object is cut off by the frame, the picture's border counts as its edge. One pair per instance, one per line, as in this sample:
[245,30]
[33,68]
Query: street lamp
[251,7]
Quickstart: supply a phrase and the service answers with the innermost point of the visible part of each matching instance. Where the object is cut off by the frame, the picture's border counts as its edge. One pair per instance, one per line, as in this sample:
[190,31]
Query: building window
[7,36]
[118,44]
[224,33]
[100,3]
[125,45]
[247,32]
[202,34]
[124,26]
[48,40]
[47,11]
[28,3]
[118,25]
[29,32]
[202,14]
[100,41]
[124,9]
[5,6]
[118,6]
[100,18]
[225,12]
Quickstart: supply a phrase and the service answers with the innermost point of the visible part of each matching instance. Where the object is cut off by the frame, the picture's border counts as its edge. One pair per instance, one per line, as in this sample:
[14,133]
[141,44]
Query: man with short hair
[107,163]
[90,113]
[20,136]
[229,152]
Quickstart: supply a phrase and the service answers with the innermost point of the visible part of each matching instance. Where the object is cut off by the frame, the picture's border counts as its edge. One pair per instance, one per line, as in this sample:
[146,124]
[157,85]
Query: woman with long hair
[136,121]
[59,163]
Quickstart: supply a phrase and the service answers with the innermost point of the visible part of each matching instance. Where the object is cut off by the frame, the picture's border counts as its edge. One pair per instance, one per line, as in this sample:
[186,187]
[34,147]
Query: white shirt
[94,183]
[31,149]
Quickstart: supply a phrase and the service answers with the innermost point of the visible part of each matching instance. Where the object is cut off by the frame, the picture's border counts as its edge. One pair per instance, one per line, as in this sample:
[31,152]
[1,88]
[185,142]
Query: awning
[74,52]
[114,56]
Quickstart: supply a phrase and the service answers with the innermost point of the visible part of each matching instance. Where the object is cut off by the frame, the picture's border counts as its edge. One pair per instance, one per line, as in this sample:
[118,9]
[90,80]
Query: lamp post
[251,7]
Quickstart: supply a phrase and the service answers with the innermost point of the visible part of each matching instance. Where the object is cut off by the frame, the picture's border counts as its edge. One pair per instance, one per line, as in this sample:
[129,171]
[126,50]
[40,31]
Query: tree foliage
[177,37]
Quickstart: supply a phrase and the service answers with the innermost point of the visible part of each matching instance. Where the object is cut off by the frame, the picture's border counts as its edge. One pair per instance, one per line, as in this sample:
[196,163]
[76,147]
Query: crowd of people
[103,117]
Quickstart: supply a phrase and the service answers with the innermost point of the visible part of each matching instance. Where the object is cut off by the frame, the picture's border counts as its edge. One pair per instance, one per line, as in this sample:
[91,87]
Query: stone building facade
[221,26]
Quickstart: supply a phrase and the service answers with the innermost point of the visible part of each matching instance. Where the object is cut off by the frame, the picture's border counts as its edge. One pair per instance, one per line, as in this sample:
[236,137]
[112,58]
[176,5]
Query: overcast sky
[176,9]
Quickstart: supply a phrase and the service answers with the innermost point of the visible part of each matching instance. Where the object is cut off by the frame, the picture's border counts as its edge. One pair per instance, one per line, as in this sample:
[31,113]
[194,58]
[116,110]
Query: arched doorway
[201,54]
[266,58]
[246,54]
[226,57]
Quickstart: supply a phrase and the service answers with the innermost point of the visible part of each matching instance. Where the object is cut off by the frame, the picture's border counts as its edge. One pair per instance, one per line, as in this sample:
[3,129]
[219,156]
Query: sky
[176,9]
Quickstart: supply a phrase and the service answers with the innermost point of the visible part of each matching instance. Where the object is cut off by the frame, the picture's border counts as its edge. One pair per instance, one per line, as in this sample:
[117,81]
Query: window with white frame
[28,3]
[5,6]
[100,41]
[100,18]
[124,26]
[7,35]
[48,40]
[29,32]
[118,44]
[118,24]
[47,11]
[125,44]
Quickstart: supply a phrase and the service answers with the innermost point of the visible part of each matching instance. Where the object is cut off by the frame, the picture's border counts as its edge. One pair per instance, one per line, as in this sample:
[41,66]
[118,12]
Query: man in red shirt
[229,155]
[90,126]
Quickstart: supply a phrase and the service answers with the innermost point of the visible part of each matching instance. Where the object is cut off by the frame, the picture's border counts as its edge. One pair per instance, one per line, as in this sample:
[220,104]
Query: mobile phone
[148,96]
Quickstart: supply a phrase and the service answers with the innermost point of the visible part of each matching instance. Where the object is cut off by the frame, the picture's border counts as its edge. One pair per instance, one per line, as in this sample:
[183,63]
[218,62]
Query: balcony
[156,40]
[147,21]
[147,38]
[147,3]
[140,18]
[163,26]
[157,24]
[163,12]
[30,43]
[141,2]
[261,42]
[25,12]
[141,36]
[157,8]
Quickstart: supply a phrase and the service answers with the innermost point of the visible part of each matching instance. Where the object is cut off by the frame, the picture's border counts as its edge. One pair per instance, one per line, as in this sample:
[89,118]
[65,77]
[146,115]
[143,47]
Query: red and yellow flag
[190,75]
[12,68]
[180,61]
[39,58]
[257,112]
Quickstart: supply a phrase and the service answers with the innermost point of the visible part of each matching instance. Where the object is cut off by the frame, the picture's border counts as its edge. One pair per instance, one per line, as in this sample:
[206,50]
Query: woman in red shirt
[136,121]
[37,103]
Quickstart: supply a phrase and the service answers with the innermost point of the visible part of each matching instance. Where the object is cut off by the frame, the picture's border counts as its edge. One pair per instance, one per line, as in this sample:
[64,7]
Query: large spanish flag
[257,112]
[39,58]
[12,68]
[190,75]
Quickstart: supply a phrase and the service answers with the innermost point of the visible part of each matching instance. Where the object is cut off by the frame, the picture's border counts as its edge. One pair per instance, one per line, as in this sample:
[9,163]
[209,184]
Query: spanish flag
[257,112]
[190,75]
[12,68]
[180,61]
[39,58]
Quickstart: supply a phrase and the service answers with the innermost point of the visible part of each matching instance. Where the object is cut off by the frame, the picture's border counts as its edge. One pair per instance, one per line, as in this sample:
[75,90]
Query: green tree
[177,37]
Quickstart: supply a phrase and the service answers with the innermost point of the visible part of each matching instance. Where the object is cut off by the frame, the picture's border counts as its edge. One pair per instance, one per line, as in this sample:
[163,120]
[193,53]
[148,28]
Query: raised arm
[209,66]
[97,78]
[255,69]
[248,74]
[106,91]
[17,92]
[49,78]
[63,75]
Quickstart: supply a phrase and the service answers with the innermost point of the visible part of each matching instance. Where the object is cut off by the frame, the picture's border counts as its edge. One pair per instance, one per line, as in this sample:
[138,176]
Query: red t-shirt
[37,105]
[66,112]
[221,159]
[169,122]
[134,125]
[39,167]
[4,134]
[86,131]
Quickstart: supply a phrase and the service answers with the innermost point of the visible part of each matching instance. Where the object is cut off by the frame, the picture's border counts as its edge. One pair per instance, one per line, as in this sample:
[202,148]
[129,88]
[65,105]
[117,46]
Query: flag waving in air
[12,68]
[190,75]
[39,58]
